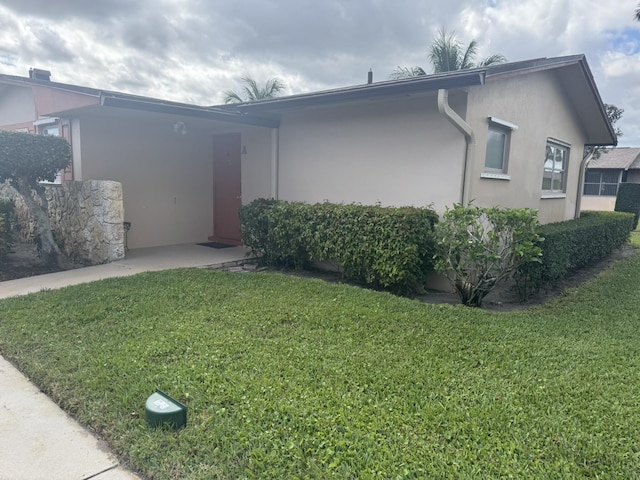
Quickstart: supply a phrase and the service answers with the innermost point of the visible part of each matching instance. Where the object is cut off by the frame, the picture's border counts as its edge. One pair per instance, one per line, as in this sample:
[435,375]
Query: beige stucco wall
[167,178]
[256,163]
[536,104]
[16,105]
[396,152]
[590,202]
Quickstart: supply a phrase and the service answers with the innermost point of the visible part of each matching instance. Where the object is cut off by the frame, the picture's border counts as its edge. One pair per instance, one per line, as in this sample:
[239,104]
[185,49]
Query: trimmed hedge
[628,200]
[6,233]
[573,244]
[383,247]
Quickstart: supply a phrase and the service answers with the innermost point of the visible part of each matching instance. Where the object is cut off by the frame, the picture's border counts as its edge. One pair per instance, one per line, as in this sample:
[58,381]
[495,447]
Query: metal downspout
[275,161]
[470,138]
[583,169]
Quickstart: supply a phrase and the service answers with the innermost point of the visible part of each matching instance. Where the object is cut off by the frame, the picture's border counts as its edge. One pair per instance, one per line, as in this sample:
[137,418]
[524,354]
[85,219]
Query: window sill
[553,195]
[495,176]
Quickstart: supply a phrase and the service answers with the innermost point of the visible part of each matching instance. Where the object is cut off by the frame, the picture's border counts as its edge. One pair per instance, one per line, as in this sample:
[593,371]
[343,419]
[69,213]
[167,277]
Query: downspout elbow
[463,127]
[583,169]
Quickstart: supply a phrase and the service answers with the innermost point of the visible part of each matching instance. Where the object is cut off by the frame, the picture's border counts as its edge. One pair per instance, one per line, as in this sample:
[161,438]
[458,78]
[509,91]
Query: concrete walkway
[38,441]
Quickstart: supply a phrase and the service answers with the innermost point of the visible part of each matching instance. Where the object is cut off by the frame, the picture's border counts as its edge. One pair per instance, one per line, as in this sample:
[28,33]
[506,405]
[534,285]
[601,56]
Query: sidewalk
[137,261]
[38,441]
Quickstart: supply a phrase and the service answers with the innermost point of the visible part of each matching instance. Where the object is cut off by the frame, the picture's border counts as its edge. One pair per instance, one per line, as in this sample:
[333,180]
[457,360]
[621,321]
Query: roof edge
[149,105]
[458,79]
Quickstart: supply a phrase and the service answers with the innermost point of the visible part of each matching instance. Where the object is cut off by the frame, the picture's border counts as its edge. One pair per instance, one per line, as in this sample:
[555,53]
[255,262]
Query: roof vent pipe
[38,74]
[370,77]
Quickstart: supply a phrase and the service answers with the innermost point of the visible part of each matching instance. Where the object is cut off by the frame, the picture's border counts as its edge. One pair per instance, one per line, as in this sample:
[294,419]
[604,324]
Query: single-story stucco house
[604,174]
[510,135]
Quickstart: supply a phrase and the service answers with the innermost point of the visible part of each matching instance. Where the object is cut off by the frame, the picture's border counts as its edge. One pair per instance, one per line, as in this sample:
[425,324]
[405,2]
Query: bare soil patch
[24,261]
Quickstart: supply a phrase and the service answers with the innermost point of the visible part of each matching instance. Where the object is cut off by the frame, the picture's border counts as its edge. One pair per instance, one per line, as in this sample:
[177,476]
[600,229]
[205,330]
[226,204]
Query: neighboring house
[509,135]
[605,173]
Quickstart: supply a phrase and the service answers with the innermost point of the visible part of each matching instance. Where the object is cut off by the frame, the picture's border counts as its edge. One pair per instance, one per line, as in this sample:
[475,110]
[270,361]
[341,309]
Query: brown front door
[226,188]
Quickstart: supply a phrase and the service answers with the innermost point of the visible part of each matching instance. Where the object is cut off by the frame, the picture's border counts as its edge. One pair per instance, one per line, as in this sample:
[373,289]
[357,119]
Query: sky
[193,50]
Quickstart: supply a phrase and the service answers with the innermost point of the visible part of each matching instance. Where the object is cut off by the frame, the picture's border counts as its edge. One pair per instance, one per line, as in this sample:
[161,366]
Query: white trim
[495,176]
[504,123]
[553,195]
[76,149]
[45,121]
[558,142]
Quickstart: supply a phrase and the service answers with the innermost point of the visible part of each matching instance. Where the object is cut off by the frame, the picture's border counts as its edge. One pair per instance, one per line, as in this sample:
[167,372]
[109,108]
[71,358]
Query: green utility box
[161,409]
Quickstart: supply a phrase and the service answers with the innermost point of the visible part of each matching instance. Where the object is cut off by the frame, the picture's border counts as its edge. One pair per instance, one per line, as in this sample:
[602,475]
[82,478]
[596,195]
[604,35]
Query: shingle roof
[618,158]
[577,81]
[117,99]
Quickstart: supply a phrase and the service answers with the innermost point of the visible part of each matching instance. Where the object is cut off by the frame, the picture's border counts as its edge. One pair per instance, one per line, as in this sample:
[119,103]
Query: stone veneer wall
[87,219]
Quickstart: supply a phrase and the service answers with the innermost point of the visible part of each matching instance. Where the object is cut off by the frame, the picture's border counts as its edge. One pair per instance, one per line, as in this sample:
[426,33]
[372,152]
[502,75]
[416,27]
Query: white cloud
[192,51]
[617,64]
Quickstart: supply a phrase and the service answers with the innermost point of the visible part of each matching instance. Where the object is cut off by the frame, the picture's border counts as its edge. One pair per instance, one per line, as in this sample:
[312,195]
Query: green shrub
[25,157]
[383,247]
[571,245]
[479,247]
[628,200]
[254,225]
[6,231]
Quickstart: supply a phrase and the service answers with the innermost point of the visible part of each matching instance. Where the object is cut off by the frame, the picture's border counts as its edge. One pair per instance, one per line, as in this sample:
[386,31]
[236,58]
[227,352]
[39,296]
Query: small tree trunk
[40,213]
[472,295]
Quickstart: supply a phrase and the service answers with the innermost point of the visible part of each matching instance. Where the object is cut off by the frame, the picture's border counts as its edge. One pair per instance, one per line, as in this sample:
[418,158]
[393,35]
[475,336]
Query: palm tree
[446,54]
[251,91]
[637,15]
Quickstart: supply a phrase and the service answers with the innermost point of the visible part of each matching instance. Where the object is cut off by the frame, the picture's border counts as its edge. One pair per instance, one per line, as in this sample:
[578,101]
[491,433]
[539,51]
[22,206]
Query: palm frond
[251,88]
[232,97]
[469,55]
[407,72]
[494,59]
[273,87]
[252,91]
[445,52]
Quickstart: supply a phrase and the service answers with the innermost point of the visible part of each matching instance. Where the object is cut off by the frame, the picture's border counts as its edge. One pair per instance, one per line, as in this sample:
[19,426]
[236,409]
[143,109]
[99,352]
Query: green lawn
[635,238]
[295,378]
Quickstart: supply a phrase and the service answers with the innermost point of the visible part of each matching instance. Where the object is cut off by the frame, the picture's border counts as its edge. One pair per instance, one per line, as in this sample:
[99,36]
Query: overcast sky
[193,50]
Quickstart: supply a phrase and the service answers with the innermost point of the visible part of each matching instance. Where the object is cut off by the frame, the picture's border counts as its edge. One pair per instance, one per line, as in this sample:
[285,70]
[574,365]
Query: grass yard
[295,378]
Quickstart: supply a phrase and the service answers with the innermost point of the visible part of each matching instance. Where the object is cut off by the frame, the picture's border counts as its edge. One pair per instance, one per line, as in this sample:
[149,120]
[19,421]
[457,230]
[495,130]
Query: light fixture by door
[180,128]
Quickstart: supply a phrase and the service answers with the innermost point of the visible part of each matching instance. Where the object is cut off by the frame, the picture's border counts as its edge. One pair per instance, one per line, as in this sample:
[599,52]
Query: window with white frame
[53,130]
[554,177]
[496,159]
[602,183]
[47,126]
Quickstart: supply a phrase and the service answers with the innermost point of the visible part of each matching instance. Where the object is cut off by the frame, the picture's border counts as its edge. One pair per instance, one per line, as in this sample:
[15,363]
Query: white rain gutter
[470,138]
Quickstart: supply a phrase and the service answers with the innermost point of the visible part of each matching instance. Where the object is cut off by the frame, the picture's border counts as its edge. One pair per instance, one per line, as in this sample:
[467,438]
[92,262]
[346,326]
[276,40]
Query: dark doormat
[216,245]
